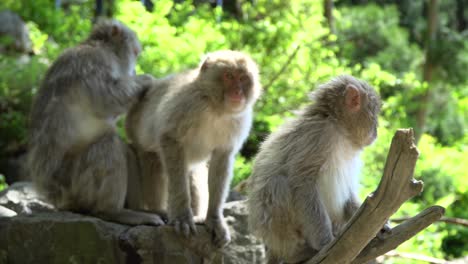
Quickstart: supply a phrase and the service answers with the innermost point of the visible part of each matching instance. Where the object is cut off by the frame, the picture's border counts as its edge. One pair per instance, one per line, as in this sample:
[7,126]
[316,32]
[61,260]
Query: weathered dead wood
[448,220]
[397,186]
[399,234]
[410,256]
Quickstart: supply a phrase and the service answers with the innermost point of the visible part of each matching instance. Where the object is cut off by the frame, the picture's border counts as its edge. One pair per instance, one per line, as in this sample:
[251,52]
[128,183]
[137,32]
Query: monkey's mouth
[235,96]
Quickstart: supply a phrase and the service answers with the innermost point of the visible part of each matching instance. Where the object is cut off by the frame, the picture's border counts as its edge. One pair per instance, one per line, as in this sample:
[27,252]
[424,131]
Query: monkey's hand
[219,230]
[183,222]
[320,238]
[385,231]
[144,81]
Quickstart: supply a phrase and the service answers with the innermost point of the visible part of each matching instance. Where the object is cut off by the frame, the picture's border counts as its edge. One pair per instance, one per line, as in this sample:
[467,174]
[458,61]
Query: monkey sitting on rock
[304,183]
[76,159]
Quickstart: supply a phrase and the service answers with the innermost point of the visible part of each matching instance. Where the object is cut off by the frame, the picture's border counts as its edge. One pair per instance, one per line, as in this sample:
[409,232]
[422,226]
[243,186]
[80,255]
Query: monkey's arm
[317,226]
[351,206]
[112,95]
[219,176]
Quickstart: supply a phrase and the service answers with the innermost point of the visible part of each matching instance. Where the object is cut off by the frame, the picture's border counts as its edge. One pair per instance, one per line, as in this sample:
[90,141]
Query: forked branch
[397,186]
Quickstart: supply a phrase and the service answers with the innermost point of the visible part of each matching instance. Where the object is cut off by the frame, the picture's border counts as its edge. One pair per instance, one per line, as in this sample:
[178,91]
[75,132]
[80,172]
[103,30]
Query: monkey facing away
[303,187]
[188,119]
[76,158]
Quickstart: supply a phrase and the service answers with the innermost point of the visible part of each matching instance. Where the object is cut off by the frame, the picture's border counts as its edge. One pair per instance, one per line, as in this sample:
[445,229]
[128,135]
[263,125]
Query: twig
[283,68]
[428,259]
[449,220]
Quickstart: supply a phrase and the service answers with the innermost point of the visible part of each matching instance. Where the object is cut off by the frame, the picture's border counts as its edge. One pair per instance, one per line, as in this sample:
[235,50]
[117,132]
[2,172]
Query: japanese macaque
[11,25]
[76,158]
[187,121]
[304,182]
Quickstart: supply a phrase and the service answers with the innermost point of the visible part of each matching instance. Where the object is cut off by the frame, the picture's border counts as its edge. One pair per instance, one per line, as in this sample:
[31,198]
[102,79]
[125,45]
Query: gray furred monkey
[76,158]
[304,182]
[11,25]
[186,121]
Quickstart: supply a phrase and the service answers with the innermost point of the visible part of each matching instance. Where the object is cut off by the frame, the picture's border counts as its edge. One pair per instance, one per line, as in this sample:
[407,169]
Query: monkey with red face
[186,121]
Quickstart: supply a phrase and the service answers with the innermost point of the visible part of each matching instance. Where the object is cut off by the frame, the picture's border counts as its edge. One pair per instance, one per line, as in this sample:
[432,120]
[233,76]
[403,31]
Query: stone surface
[32,232]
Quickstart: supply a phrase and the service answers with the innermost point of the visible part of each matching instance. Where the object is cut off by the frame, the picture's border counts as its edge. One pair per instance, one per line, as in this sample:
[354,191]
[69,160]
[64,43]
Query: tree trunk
[328,7]
[425,98]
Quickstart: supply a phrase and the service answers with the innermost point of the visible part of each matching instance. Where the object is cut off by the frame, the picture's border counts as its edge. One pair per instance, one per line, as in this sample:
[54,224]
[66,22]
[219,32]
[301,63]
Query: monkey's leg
[100,184]
[301,255]
[175,166]
[154,182]
[199,191]
[271,258]
[319,231]
[219,176]
[351,206]
[134,199]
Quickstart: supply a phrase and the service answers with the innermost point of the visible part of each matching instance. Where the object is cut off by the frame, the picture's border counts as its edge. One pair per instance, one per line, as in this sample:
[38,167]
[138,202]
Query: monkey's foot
[153,219]
[385,231]
[218,228]
[184,223]
[131,217]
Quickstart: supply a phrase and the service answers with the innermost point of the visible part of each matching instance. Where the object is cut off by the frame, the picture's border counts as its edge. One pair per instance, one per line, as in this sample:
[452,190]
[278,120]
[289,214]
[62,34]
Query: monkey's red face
[237,85]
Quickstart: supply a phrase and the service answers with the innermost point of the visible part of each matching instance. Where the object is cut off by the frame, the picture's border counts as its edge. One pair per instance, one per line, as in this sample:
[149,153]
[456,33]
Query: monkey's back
[63,117]
[286,161]
[174,106]
[143,118]
[272,215]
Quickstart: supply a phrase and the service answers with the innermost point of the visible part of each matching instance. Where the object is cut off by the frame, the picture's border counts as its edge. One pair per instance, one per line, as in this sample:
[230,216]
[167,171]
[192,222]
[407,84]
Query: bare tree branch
[428,259]
[399,234]
[397,186]
[283,68]
[448,220]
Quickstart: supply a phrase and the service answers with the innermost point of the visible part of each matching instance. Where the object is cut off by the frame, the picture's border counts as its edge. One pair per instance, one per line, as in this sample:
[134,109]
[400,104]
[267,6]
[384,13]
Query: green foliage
[371,33]
[19,81]
[242,168]
[65,27]
[380,42]
[3,184]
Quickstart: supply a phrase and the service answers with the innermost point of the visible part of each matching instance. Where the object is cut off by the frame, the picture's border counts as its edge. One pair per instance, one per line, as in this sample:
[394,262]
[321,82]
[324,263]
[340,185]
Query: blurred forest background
[415,53]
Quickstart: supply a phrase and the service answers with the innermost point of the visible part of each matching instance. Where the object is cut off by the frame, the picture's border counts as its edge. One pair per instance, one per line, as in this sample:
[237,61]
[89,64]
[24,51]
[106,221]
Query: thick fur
[305,178]
[185,122]
[75,157]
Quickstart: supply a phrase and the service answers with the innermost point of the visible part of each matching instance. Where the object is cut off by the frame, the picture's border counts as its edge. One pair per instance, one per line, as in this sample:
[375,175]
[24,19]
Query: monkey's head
[353,105]
[123,41]
[231,79]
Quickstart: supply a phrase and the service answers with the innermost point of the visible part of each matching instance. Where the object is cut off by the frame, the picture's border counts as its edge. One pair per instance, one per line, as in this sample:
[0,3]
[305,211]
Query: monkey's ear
[352,98]
[206,64]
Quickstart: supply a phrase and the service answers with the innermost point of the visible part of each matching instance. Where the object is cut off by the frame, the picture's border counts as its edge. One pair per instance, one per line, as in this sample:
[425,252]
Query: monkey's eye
[229,75]
[244,78]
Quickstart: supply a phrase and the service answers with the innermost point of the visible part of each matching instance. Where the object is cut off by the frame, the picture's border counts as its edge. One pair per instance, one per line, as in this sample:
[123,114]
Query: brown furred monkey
[186,120]
[304,182]
[76,158]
